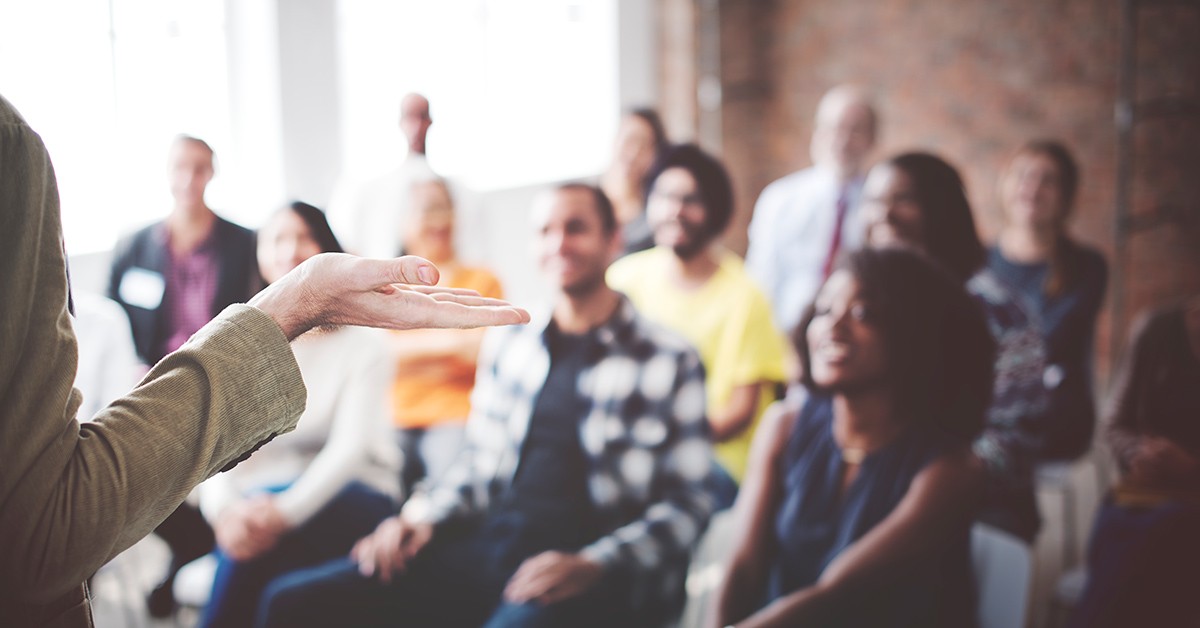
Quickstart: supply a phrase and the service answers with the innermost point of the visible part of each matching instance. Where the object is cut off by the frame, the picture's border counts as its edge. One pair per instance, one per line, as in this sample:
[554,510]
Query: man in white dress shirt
[804,220]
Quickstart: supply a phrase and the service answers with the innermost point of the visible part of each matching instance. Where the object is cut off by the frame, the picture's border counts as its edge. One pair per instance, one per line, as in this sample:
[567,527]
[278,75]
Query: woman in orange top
[435,368]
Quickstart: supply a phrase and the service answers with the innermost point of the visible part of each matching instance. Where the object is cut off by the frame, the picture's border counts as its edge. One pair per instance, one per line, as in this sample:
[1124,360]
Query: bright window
[521,92]
[107,90]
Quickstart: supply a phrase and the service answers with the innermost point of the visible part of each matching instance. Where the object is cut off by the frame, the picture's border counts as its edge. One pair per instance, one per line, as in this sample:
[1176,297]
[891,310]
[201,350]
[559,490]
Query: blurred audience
[435,368]
[370,216]
[1063,280]
[689,283]
[934,375]
[172,277]
[857,505]
[108,362]
[640,139]
[583,484]
[306,496]
[918,200]
[1145,547]
[803,220]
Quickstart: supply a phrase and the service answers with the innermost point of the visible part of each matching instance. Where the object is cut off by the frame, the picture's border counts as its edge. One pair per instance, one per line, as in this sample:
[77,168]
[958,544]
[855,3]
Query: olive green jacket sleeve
[72,496]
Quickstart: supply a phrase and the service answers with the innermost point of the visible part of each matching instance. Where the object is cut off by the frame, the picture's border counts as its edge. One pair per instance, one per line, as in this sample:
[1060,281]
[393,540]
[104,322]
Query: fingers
[468,300]
[432,290]
[391,294]
[386,552]
[358,548]
[418,537]
[365,551]
[533,579]
[449,312]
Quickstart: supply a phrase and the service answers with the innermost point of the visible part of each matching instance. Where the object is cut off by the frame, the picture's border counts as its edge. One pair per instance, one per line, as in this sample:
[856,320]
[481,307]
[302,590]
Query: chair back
[1003,566]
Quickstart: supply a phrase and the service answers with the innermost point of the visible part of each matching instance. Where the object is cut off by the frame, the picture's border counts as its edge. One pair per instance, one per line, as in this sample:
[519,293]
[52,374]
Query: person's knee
[286,602]
[529,615]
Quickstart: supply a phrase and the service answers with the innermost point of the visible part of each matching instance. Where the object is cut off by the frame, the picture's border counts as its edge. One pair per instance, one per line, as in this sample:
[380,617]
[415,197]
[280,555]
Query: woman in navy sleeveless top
[857,507]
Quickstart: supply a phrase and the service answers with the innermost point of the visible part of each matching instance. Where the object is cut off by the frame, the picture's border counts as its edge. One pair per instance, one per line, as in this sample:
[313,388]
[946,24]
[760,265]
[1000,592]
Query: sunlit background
[298,98]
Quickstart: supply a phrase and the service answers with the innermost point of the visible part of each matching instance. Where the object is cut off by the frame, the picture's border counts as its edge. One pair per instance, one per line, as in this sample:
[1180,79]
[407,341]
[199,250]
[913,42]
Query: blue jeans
[453,582]
[329,533]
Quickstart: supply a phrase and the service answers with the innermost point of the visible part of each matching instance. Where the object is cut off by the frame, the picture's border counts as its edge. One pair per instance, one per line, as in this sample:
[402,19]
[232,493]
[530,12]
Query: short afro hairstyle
[712,182]
[937,345]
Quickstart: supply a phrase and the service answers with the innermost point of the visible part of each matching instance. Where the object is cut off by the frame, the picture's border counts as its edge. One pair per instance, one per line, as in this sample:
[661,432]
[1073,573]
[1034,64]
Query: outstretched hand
[341,289]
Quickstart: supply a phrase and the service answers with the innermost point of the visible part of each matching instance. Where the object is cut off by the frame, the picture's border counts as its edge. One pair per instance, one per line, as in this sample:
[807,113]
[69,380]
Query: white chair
[1003,567]
[707,568]
[1002,563]
[193,583]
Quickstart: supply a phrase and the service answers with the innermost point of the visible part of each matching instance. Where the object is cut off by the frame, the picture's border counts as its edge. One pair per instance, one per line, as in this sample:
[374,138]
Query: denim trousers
[458,580]
[330,533]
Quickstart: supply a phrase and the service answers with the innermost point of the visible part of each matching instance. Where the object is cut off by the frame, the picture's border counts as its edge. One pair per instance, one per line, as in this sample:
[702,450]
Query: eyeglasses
[693,199]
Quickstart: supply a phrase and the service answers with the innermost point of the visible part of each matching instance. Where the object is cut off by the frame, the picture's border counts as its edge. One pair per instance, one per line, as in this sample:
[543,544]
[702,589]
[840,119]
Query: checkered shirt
[646,437]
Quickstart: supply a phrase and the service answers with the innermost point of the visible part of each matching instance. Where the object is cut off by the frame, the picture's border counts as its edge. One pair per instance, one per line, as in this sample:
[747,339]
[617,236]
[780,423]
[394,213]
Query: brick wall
[971,80]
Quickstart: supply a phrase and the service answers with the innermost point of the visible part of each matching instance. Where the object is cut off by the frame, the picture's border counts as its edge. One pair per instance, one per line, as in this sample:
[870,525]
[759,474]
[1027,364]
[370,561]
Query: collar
[618,329]
[162,237]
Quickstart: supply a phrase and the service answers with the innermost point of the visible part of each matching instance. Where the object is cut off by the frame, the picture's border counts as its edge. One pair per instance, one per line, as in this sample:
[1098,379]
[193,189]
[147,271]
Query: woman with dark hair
[857,505]
[641,138]
[1144,549]
[318,227]
[1062,279]
[918,200]
[308,495]
[689,283]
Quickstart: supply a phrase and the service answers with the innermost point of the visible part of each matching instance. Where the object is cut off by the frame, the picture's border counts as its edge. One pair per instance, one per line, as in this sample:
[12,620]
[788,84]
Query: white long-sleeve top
[343,435]
[108,363]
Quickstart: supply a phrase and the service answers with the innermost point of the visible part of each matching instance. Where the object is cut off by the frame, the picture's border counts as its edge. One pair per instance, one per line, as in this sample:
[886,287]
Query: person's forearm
[230,388]
[741,585]
[738,414]
[321,481]
[809,606]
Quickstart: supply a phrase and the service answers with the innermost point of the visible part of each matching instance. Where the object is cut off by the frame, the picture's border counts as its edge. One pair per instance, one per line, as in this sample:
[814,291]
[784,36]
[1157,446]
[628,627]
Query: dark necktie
[836,242]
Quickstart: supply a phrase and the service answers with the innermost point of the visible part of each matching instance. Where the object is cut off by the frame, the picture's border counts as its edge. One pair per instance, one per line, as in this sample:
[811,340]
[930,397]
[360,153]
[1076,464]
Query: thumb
[409,269]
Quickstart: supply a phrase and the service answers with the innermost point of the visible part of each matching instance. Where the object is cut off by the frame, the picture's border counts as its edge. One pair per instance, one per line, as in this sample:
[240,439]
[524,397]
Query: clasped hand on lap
[545,578]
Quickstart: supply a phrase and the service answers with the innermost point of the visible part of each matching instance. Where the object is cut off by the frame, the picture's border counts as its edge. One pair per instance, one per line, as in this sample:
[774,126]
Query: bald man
[803,221]
[369,216]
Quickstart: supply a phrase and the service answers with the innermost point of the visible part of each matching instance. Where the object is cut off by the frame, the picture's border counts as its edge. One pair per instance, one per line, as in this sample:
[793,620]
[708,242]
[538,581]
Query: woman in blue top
[918,200]
[1063,281]
[857,505]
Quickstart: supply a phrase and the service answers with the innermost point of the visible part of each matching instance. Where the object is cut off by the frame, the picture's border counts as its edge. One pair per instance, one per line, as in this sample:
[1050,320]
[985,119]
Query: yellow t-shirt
[728,319]
[440,391]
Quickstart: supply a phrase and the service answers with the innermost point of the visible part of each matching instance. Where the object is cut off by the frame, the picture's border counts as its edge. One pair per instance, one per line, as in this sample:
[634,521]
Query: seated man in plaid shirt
[583,483]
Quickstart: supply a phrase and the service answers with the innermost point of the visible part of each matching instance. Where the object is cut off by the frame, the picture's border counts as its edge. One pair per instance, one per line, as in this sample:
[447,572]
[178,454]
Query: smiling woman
[858,500]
